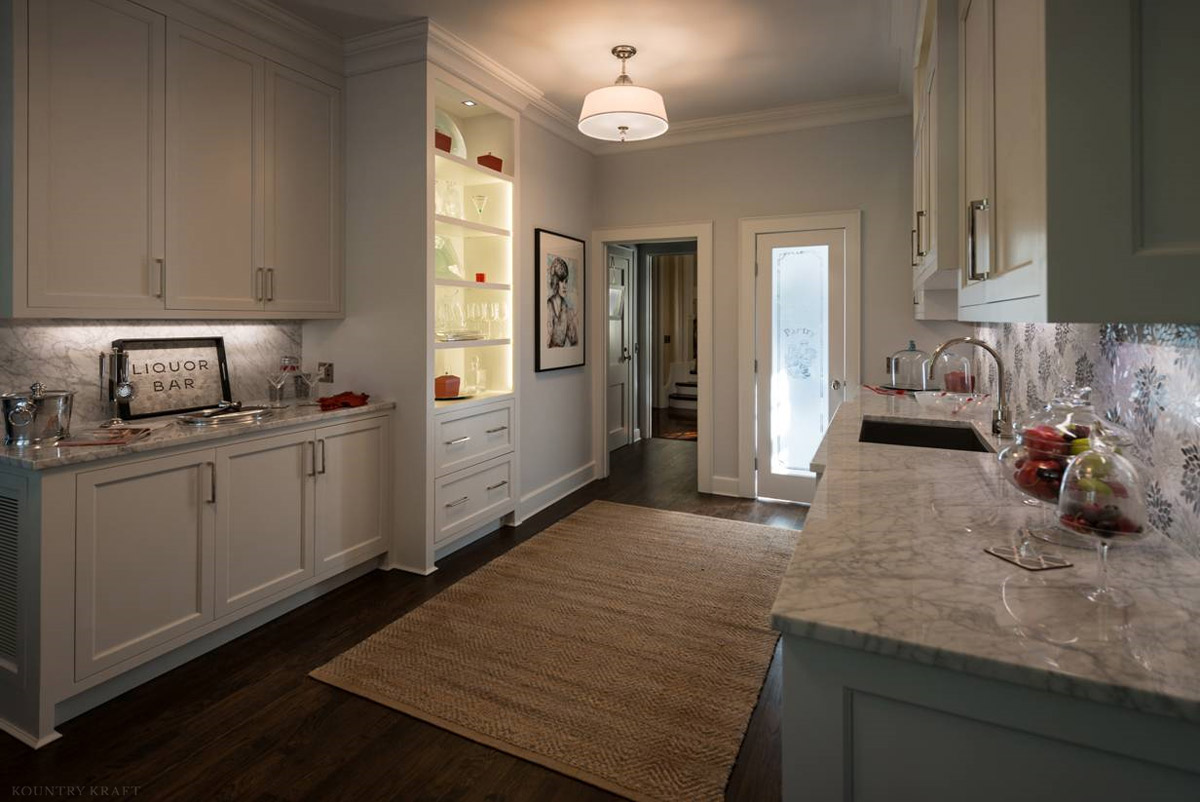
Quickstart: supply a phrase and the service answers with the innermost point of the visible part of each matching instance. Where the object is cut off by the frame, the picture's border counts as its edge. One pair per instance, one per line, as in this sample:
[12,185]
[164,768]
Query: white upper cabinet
[95,157]
[167,170]
[214,172]
[1080,165]
[303,203]
[934,242]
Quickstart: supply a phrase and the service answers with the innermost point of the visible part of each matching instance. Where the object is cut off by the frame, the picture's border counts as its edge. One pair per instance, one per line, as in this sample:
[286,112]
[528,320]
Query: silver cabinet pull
[973,272]
[920,237]
[212,482]
[270,284]
[912,248]
[498,484]
[322,442]
[462,500]
[312,458]
[458,440]
[260,283]
[158,276]
[497,429]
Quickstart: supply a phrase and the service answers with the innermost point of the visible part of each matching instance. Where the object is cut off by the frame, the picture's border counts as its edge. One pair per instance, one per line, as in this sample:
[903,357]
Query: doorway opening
[653,382]
[653,294]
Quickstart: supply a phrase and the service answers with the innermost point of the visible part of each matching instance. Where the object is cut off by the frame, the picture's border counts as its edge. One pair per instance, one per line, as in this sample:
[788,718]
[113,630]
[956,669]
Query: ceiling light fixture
[623,112]
[468,103]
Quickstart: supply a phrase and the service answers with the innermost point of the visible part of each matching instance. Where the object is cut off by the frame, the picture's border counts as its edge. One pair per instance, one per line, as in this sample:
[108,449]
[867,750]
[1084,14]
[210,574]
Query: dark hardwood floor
[245,722]
[673,425]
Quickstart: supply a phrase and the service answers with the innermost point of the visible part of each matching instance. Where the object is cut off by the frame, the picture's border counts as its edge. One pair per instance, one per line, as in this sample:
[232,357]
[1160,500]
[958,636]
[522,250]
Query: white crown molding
[425,39]
[270,23]
[771,121]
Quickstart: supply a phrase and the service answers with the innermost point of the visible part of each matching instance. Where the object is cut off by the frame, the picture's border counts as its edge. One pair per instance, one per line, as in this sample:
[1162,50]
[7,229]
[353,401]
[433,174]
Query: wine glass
[480,202]
[502,317]
[275,383]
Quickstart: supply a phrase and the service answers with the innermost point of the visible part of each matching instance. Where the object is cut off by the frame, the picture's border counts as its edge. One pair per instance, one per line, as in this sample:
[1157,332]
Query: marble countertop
[169,434]
[891,561]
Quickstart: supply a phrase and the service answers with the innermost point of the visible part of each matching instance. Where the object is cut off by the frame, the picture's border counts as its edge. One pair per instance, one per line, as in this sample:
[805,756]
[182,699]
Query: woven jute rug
[623,646]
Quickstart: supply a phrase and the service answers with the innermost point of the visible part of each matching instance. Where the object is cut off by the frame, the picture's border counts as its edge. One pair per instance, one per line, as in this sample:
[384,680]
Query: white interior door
[619,312]
[800,351]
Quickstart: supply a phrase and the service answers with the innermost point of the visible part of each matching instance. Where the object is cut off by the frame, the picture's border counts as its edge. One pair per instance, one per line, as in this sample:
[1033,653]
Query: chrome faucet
[1001,416]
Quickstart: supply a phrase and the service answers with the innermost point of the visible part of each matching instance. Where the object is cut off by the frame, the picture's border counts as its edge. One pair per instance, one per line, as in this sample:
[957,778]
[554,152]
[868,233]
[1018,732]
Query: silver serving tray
[224,416]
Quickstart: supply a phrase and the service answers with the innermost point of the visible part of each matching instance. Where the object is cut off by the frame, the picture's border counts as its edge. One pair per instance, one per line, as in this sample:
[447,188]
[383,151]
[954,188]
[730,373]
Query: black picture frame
[142,405]
[556,349]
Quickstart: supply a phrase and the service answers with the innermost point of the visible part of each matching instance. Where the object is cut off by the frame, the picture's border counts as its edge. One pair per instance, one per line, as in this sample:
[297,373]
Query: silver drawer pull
[462,500]
[458,440]
[498,484]
[497,429]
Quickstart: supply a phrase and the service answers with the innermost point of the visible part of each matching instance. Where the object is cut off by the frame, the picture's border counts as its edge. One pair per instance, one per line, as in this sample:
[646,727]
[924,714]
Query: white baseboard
[409,569]
[467,539]
[556,490]
[28,738]
[726,486]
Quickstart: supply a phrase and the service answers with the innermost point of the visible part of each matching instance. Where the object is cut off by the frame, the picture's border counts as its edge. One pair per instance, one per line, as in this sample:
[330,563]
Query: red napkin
[342,401]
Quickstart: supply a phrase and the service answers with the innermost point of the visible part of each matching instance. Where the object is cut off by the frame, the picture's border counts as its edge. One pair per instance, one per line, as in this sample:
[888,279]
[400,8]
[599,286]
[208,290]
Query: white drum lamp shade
[640,110]
[623,112]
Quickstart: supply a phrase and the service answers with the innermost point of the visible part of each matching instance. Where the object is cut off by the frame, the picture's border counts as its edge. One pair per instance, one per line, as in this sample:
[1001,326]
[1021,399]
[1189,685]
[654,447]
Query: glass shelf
[455,227]
[479,285]
[452,167]
[471,343]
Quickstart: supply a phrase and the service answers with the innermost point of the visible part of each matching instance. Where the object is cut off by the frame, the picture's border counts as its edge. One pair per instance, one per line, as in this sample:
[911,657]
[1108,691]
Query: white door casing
[749,230]
[619,402]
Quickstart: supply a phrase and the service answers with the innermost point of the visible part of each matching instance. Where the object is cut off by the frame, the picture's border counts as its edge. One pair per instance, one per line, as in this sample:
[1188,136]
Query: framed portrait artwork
[560,279]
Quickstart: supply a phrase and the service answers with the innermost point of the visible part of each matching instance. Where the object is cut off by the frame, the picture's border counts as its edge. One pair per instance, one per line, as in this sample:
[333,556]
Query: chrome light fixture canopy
[623,112]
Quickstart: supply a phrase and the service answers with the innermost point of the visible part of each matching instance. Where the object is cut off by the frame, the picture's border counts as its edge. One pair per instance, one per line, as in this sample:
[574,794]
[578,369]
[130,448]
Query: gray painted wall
[863,166]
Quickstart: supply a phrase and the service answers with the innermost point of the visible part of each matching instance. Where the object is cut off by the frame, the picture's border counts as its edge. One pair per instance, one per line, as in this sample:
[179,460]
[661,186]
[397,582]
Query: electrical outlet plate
[324,371]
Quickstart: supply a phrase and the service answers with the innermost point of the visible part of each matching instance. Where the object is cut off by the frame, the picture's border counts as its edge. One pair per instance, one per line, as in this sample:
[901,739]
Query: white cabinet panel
[265,518]
[143,565]
[95,162]
[464,440]
[214,172]
[303,193]
[470,498]
[976,104]
[351,496]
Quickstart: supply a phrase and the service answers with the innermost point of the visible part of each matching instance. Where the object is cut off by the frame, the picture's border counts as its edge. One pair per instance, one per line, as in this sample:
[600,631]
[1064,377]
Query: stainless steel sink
[226,415]
[957,438]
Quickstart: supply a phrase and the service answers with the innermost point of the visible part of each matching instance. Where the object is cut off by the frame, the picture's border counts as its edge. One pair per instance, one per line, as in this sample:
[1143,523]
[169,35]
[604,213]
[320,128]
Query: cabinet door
[303,193]
[96,164]
[352,493]
[264,529]
[214,173]
[976,133]
[929,227]
[144,557]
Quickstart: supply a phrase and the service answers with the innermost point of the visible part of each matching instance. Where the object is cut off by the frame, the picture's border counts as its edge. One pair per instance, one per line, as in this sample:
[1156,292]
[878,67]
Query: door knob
[836,384]
[625,357]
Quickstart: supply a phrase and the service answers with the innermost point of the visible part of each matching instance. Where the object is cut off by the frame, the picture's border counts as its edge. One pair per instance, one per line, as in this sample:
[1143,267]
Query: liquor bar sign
[174,375]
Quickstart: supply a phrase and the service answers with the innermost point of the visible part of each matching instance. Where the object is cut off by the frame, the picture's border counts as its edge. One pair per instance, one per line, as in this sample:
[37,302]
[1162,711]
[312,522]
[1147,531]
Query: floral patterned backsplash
[1144,376]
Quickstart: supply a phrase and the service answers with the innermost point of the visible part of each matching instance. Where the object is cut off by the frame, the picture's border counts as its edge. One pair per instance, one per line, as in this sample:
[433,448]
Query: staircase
[682,399]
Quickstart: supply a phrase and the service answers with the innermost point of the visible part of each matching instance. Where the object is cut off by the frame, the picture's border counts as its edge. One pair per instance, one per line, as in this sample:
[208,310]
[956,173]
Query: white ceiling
[708,58]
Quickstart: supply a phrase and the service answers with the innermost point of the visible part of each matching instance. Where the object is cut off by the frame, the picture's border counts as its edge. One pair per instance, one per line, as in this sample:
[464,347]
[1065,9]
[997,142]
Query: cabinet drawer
[470,439]
[470,498]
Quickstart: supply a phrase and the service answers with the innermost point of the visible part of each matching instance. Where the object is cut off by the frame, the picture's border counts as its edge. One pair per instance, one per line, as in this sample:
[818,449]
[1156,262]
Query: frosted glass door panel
[799,355]
[800,345]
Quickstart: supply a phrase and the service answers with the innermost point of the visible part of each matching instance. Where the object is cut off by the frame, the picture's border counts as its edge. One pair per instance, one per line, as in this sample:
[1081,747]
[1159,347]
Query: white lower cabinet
[168,545]
[264,531]
[468,499]
[351,481]
[143,557]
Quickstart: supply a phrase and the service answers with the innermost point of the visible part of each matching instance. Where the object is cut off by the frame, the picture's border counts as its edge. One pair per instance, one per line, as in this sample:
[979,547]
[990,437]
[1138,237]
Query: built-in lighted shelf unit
[472,209]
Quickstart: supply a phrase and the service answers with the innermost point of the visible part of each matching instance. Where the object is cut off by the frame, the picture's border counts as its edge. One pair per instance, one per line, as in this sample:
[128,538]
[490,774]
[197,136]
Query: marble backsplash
[63,355]
[1144,376]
